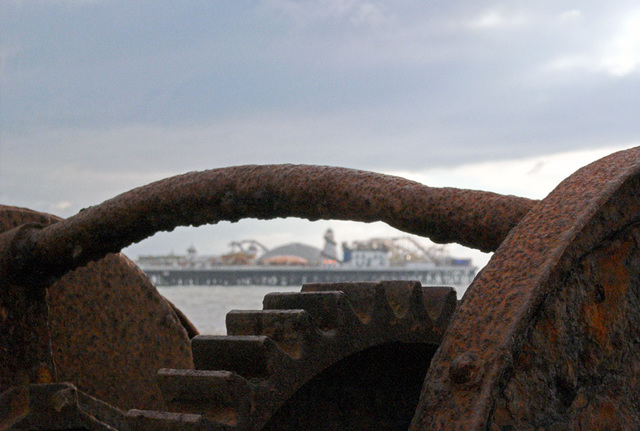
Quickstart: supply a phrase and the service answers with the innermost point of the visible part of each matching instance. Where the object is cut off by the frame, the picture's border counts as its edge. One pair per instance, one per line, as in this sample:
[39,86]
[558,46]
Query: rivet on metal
[465,370]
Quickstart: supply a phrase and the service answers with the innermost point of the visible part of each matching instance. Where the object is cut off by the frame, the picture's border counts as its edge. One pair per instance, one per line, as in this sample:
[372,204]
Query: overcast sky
[98,97]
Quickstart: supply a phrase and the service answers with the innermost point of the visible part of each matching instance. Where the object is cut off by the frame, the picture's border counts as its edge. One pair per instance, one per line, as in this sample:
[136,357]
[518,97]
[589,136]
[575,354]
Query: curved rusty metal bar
[473,218]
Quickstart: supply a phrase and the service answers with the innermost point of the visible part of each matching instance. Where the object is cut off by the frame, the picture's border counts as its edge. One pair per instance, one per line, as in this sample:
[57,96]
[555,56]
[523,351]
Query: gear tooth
[146,420]
[328,309]
[361,295]
[399,296]
[439,302]
[379,302]
[392,307]
[249,356]
[293,330]
[220,395]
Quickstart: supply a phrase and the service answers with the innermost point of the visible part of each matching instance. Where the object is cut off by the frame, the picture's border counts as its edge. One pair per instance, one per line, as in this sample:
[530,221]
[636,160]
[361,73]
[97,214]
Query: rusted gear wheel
[548,334]
[334,356]
[110,328]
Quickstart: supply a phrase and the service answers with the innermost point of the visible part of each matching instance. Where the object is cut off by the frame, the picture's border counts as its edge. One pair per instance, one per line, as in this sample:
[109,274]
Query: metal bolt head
[465,370]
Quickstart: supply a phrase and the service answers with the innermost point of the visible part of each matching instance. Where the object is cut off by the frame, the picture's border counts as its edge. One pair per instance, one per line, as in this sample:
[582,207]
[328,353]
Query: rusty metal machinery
[544,338]
[335,356]
[92,328]
[547,336]
[357,354]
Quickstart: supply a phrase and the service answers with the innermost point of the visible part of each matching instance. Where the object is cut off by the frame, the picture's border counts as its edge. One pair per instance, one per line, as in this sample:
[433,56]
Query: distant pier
[297,276]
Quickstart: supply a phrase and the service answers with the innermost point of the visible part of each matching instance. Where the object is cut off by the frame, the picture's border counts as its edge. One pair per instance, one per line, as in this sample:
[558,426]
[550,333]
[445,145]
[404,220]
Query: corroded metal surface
[473,218]
[35,255]
[335,356]
[547,335]
[545,338]
[25,349]
[110,329]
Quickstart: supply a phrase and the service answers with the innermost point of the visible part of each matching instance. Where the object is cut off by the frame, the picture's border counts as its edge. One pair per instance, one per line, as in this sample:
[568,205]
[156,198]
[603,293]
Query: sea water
[207,306]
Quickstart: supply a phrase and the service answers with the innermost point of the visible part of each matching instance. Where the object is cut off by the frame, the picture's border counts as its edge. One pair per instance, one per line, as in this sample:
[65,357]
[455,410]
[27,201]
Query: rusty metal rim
[499,307]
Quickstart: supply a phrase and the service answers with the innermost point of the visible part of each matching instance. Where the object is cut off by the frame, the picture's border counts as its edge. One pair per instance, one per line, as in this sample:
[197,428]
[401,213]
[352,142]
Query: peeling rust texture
[547,335]
[476,219]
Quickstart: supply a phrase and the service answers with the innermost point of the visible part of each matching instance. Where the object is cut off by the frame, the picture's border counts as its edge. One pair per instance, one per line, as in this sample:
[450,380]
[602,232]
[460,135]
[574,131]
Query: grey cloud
[153,88]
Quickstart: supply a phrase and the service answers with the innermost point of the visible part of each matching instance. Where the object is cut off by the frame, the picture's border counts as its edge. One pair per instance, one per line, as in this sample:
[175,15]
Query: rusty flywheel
[548,334]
